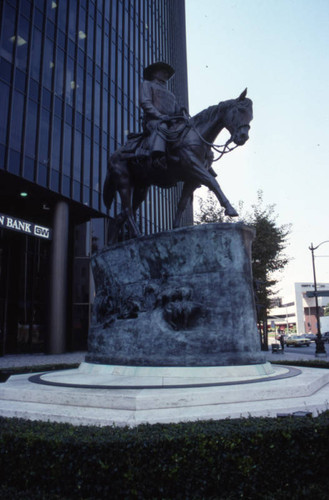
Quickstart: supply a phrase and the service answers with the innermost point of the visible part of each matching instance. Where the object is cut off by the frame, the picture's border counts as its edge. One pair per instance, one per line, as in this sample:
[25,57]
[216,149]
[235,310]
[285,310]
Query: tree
[267,250]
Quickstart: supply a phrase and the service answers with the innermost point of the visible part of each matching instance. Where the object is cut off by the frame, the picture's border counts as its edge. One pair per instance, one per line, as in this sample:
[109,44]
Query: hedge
[254,458]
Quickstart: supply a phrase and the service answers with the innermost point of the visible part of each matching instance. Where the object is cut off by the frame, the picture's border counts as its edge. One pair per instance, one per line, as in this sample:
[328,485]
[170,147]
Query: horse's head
[238,117]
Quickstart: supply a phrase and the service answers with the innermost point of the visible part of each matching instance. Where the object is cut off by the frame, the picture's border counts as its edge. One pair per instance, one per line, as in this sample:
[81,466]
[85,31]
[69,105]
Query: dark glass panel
[59,72]
[95,200]
[58,106]
[77,155]
[78,122]
[48,63]
[4,103]
[56,143]
[5,70]
[62,15]
[67,149]
[52,10]
[44,132]
[71,49]
[98,46]
[79,89]
[97,134]
[87,151]
[31,128]
[38,19]
[40,4]
[14,162]
[72,19]
[2,156]
[87,127]
[105,111]
[46,99]
[28,168]
[96,169]
[69,114]
[89,90]
[86,195]
[36,54]
[90,37]
[54,180]
[20,80]
[8,33]
[70,82]
[50,29]
[26,9]
[97,103]
[98,73]
[61,39]
[22,43]
[34,90]
[42,175]
[66,186]
[17,116]
[76,190]
[81,58]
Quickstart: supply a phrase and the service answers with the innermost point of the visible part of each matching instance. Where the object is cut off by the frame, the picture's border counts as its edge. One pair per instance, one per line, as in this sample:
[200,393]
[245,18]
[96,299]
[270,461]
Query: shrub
[256,458]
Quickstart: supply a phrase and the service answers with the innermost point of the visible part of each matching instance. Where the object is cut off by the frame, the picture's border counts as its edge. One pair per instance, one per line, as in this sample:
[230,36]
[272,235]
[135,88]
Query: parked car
[325,337]
[310,336]
[297,341]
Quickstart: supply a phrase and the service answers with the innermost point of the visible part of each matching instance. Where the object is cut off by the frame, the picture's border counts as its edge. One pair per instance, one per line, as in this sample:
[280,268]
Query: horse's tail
[109,189]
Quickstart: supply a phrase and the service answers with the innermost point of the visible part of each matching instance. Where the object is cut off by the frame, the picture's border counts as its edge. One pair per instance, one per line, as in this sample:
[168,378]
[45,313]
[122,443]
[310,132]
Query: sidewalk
[13,360]
[16,360]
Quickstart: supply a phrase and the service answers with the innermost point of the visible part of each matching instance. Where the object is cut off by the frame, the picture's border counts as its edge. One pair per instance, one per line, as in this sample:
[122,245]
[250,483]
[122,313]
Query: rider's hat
[149,70]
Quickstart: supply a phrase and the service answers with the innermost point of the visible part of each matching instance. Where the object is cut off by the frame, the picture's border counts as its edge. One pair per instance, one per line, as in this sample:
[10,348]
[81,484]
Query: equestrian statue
[172,148]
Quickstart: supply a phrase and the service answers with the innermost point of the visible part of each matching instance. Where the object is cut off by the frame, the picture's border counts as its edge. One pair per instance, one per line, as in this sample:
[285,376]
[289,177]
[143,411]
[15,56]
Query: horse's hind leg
[127,213]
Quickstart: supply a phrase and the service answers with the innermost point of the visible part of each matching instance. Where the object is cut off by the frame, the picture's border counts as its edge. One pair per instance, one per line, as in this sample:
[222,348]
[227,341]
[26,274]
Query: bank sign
[23,226]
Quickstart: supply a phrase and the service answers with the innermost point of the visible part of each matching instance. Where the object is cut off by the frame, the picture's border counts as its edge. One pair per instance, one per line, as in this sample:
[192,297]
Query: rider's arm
[146,101]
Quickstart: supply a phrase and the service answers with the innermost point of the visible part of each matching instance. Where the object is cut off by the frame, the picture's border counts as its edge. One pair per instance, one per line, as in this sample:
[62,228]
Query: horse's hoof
[231,212]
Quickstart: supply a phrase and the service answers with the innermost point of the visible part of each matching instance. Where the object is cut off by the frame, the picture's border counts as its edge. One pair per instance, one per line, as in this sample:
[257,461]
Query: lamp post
[320,349]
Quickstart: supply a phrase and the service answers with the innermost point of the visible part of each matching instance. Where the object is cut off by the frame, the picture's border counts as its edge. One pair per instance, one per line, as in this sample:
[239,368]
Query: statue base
[178,298]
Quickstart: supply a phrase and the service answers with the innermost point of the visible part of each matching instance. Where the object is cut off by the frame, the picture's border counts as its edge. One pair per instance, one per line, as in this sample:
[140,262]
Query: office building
[70,71]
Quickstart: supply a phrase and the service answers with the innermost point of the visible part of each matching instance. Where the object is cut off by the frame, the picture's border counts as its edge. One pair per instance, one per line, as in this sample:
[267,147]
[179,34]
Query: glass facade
[69,78]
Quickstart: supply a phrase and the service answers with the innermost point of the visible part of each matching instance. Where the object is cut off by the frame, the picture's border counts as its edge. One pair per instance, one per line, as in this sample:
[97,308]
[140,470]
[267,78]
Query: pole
[319,349]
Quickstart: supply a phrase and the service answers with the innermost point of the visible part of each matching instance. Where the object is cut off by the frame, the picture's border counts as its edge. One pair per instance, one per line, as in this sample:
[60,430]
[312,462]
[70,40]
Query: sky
[279,49]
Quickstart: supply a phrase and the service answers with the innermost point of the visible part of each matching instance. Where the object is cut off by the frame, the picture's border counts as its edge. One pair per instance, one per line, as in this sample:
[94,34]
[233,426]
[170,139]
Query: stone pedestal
[177,298]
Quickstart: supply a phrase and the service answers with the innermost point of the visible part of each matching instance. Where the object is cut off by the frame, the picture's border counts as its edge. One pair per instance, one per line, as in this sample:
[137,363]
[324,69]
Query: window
[8,33]
[4,102]
[48,63]
[44,137]
[17,117]
[31,128]
[59,72]
[67,149]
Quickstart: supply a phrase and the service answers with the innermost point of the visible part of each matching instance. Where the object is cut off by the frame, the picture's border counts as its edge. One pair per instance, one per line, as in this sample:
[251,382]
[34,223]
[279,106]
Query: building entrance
[24,280]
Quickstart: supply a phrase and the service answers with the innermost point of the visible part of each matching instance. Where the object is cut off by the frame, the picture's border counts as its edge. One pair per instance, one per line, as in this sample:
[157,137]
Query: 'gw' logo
[41,231]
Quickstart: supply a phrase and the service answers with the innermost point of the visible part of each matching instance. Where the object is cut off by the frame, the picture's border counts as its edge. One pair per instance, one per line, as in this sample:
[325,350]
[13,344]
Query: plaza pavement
[287,390]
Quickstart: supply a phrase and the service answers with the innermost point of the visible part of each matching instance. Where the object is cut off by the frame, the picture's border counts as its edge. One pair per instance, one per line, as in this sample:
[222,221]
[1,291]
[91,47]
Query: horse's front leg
[187,192]
[202,176]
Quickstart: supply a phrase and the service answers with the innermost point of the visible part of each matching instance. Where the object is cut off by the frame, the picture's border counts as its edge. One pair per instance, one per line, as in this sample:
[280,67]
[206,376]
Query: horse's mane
[210,114]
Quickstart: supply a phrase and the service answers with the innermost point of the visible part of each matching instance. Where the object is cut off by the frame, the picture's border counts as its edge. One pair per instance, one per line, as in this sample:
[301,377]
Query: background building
[69,77]
[299,314]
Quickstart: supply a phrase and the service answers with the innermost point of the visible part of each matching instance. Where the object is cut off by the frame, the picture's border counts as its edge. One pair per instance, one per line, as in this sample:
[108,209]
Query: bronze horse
[188,159]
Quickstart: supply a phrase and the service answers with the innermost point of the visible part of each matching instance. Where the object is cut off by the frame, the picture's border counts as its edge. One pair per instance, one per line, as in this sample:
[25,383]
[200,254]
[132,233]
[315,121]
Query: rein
[173,136]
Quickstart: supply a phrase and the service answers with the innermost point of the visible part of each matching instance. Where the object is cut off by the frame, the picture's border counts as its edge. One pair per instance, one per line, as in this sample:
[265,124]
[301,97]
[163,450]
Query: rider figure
[159,105]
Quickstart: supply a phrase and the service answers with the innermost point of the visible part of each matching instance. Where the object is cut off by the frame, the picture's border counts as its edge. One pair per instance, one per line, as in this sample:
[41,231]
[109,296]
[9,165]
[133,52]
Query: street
[305,350]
